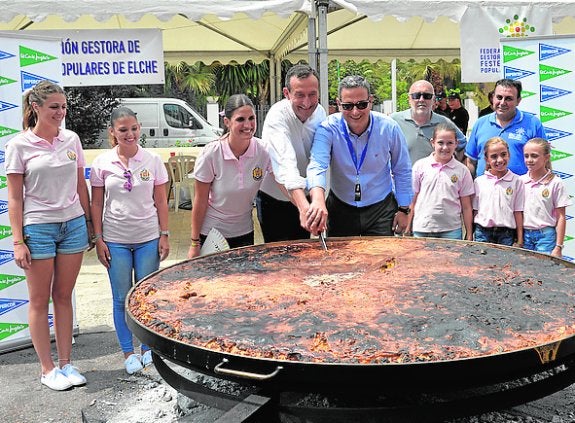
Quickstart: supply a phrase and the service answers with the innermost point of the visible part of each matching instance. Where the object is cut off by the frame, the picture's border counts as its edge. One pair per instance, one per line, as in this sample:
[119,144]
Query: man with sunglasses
[369,164]
[419,121]
[289,128]
[508,122]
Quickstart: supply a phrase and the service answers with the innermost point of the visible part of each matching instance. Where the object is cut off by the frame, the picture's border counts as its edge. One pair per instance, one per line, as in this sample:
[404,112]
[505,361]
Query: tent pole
[312,38]
[273,92]
[394,85]
[322,6]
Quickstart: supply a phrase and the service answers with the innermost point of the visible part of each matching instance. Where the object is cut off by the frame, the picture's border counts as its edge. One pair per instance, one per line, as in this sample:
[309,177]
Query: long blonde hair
[546,147]
[490,142]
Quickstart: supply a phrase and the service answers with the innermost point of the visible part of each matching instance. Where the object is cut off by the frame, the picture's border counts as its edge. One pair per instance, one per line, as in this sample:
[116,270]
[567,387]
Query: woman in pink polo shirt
[228,175]
[130,212]
[48,206]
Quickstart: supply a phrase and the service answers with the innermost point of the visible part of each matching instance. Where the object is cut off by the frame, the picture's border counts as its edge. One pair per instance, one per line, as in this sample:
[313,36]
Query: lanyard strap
[350,144]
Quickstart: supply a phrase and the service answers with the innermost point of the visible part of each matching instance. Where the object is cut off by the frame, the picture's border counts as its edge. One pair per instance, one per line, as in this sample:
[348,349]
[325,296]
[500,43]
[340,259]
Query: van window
[179,117]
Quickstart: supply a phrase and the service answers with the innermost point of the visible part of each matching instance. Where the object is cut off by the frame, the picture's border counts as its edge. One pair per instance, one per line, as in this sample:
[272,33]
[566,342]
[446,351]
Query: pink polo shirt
[50,175]
[496,199]
[129,216]
[234,185]
[439,190]
[541,200]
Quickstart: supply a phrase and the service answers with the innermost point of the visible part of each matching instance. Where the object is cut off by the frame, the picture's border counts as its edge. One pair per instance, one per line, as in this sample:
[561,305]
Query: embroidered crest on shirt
[545,193]
[257,173]
[71,155]
[145,175]
[509,191]
[454,178]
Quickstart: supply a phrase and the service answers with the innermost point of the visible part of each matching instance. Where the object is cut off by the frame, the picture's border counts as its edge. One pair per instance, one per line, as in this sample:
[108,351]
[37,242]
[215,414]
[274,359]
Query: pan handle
[245,375]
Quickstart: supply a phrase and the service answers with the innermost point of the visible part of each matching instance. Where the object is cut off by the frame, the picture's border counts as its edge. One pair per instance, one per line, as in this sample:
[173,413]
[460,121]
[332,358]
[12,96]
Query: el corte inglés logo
[9,329]
[516,27]
[29,56]
[558,155]
[4,132]
[6,281]
[6,81]
[5,231]
[547,72]
[513,53]
[548,113]
[3,182]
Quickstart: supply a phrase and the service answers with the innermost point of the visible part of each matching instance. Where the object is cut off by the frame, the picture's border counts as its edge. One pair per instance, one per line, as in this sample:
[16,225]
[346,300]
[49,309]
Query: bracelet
[195,243]
[196,239]
[96,237]
[559,246]
[20,242]
[88,220]
[167,233]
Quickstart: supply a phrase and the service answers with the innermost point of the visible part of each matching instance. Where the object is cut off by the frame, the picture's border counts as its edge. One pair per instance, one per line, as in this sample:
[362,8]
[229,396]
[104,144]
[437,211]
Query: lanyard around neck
[350,144]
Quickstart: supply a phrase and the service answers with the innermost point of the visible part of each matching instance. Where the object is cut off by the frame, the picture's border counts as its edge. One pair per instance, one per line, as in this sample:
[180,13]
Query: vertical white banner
[24,60]
[482,27]
[546,68]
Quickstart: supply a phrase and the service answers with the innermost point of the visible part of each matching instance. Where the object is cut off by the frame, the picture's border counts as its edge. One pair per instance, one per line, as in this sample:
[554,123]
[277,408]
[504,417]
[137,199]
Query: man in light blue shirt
[370,169]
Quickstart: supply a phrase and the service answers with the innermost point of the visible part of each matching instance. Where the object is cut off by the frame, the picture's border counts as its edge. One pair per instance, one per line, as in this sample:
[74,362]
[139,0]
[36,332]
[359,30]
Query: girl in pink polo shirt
[228,175]
[499,198]
[130,212]
[545,201]
[443,188]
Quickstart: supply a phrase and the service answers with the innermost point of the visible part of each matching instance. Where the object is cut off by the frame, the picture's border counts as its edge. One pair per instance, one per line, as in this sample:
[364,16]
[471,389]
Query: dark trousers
[346,220]
[279,220]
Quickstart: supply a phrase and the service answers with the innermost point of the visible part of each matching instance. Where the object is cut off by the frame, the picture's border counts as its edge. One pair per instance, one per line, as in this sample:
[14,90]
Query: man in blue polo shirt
[513,125]
[370,168]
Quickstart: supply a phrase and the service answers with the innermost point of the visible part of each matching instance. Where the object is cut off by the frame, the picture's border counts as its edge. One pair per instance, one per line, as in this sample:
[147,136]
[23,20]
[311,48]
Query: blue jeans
[129,263]
[454,234]
[540,240]
[495,235]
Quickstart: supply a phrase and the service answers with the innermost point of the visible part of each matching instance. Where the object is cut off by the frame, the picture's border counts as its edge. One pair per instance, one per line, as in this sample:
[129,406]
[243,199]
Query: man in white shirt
[289,129]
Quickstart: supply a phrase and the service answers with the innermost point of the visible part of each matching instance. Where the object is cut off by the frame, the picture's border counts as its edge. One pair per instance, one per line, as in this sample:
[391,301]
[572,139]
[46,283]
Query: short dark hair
[353,81]
[510,83]
[300,71]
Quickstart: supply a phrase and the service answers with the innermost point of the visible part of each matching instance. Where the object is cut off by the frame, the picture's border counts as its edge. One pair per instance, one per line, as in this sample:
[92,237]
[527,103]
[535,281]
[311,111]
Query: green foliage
[89,111]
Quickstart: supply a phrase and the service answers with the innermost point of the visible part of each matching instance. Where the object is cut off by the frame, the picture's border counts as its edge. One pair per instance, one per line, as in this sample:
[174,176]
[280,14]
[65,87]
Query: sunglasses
[417,96]
[128,183]
[361,105]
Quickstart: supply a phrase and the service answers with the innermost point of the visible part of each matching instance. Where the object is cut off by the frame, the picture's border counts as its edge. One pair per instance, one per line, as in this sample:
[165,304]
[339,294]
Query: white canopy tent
[257,30]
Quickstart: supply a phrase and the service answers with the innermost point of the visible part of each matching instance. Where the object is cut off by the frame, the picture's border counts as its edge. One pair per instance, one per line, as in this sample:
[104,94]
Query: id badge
[357,192]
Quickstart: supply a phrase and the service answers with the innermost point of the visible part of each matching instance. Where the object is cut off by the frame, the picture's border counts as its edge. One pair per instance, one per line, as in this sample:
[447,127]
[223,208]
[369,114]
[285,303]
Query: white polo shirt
[50,175]
[496,199]
[234,185]
[129,216]
[439,188]
[541,200]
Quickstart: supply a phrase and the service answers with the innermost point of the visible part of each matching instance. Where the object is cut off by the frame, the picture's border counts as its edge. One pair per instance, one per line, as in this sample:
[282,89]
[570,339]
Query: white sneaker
[133,364]
[56,380]
[73,375]
[147,358]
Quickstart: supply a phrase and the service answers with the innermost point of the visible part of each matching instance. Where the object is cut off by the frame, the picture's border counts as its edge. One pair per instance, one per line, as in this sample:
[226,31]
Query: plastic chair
[181,168]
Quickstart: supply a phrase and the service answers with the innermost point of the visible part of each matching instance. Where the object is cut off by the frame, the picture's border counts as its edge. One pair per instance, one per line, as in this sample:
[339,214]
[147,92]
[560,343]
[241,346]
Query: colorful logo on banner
[6,81]
[3,182]
[514,53]
[4,132]
[549,93]
[6,106]
[9,329]
[29,80]
[6,281]
[549,113]
[30,56]
[5,231]
[516,27]
[555,134]
[526,94]
[514,73]
[559,155]
[6,256]
[549,72]
[2,155]
[562,175]
[5,55]
[9,304]
[547,51]
[3,206]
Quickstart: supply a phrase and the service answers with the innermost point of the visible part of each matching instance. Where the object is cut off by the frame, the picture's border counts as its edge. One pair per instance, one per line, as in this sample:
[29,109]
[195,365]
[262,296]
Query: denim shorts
[45,240]
[542,240]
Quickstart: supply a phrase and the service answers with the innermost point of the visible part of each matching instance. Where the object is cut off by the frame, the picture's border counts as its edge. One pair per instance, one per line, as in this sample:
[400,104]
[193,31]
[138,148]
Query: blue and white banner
[481,29]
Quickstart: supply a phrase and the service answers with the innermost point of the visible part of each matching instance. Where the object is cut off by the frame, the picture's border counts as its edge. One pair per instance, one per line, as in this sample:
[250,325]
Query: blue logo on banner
[548,93]
[567,217]
[514,73]
[1,156]
[9,304]
[87,171]
[5,55]
[547,52]
[562,175]
[29,80]
[6,106]
[555,134]
[6,256]
[50,320]
[3,206]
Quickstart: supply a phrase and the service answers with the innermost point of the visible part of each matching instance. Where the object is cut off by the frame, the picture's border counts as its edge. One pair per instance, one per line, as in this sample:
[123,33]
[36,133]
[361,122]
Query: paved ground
[114,397]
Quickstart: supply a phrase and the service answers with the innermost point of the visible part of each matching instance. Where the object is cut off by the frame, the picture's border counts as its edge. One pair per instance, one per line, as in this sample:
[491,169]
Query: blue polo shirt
[523,127]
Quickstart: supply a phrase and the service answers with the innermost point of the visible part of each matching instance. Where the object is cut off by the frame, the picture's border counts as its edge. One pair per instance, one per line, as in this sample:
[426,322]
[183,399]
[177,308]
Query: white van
[168,122]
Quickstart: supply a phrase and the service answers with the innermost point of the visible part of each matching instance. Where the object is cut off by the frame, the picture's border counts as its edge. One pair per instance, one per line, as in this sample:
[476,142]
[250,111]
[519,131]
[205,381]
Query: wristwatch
[167,233]
[404,210]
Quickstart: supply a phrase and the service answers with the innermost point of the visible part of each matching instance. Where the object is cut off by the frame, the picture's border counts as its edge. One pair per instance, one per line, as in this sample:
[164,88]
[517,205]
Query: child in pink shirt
[443,189]
[499,198]
[545,201]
